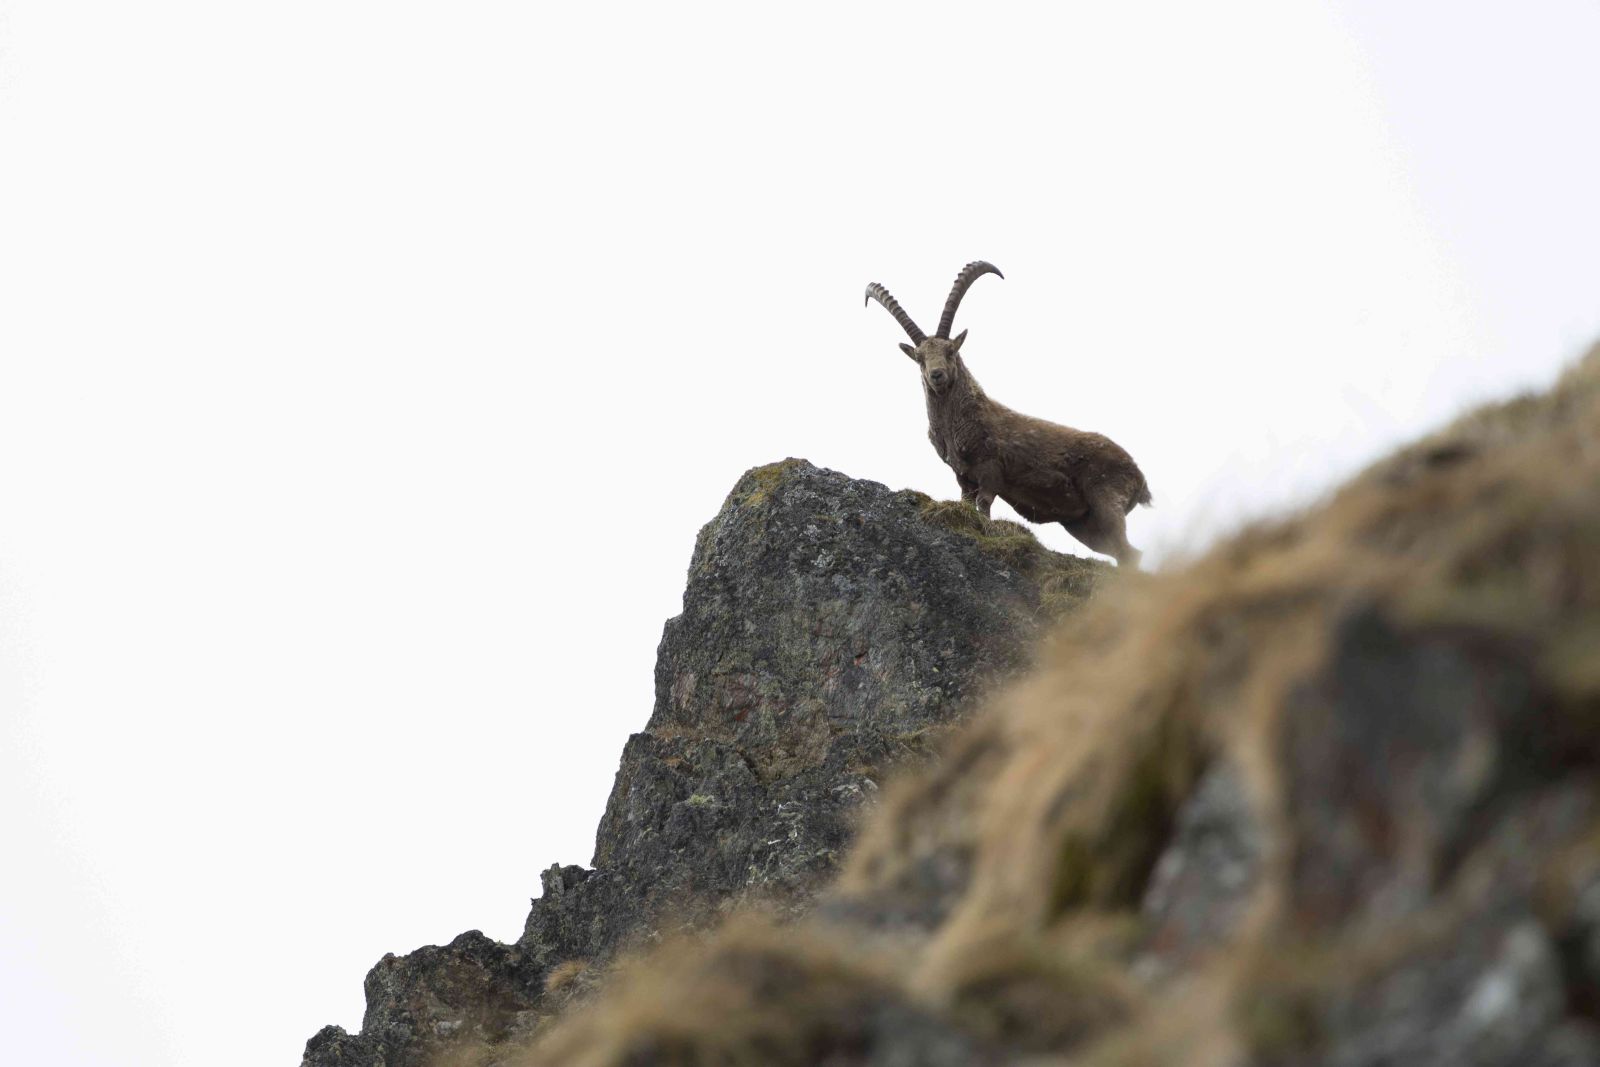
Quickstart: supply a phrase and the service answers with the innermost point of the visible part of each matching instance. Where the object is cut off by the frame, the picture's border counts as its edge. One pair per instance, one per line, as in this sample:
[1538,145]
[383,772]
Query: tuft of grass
[1065,581]
[1010,542]
[563,976]
[1026,993]
[755,996]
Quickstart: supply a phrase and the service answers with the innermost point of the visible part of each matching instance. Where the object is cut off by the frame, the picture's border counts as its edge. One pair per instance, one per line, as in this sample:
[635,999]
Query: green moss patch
[1064,581]
[758,484]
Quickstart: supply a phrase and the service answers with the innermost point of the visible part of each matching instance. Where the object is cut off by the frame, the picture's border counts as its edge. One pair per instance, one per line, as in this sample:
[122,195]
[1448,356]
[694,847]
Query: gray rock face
[1201,885]
[1433,778]
[826,628]
[830,628]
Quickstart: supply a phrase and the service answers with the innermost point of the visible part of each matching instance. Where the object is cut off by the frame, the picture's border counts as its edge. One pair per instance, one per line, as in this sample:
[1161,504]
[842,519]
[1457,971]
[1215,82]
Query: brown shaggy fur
[1047,812]
[1046,472]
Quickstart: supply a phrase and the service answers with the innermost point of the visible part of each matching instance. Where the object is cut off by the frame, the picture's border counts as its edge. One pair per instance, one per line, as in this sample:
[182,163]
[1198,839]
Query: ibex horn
[969,274]
[881,295]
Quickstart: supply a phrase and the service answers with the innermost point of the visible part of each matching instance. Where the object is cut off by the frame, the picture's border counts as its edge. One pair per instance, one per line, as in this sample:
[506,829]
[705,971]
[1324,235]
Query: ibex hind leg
[1104,529]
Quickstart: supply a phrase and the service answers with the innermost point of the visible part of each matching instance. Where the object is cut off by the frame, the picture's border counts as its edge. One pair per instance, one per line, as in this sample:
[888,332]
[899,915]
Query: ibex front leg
[974,493]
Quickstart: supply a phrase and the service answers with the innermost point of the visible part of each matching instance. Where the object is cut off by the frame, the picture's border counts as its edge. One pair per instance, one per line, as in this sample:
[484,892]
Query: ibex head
[939,356]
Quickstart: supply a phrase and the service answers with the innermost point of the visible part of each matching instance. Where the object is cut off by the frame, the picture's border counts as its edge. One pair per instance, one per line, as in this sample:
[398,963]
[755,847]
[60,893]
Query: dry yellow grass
[563,976]
[756,996]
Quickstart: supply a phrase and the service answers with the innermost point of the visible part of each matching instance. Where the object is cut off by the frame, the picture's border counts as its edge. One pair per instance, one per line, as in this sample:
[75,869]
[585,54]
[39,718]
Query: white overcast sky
[366,370]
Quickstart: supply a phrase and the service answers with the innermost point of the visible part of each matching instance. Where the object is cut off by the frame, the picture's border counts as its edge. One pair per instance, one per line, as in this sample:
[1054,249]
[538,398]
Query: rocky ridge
[830,629]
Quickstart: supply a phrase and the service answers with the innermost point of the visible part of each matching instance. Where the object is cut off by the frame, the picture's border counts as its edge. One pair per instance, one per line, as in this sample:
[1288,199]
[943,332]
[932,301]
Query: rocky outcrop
[1328,796]
[830,629]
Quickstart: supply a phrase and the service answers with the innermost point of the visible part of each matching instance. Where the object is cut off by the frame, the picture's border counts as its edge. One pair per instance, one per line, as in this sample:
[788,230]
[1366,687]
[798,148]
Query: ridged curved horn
[881,295]
[969,274]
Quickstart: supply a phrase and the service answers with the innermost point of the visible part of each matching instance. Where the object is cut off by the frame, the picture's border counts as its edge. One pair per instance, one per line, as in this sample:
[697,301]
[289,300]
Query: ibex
[1048,473]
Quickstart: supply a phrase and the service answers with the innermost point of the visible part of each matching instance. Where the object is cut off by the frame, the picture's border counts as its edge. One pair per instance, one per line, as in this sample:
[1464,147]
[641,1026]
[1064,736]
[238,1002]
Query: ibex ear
[956,343]
[908,350]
